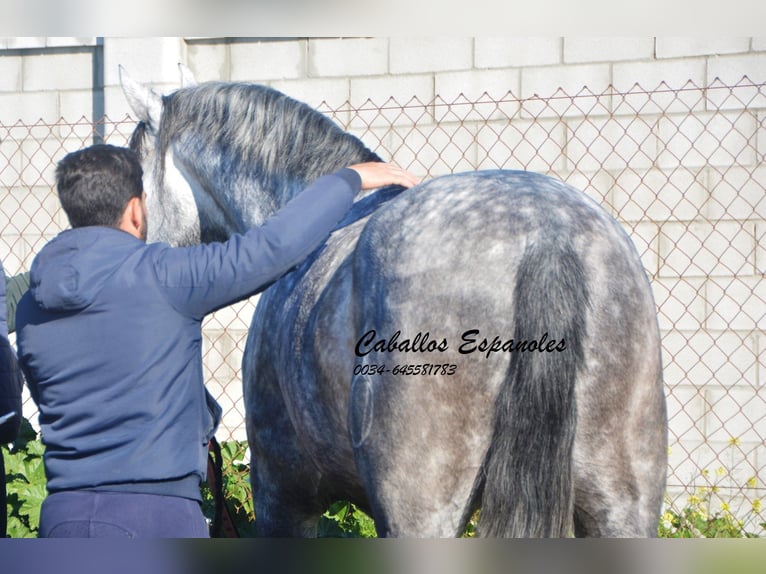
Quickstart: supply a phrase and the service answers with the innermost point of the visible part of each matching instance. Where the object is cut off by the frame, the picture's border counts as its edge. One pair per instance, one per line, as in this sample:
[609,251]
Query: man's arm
[203,278]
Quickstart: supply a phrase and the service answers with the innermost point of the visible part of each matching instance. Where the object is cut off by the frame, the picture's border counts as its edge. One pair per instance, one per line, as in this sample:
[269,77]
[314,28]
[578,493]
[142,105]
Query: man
[11,381]
[109,338]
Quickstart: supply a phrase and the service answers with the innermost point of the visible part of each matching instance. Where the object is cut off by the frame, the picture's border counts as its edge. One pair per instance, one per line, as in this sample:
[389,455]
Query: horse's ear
[144,101]
[187,76]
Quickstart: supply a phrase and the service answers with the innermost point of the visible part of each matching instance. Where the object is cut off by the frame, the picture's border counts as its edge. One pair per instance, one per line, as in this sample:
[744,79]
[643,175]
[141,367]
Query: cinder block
[233,317]
[223,355]
[516,52]
[659,195]
[430,150]
[522,144]
[686,412]
[9,205]
[686,461]
[476,95]
[602,49]
[76,106]
[676,81]
[33,108]
[736,303]
[21,250]
[222,371]
[347,57]
[208,62]
[10,74]
[324,94]
[39,164]
[152,61]
[736,413]
[609,143]
[33,211]
[760,338]
[734,358]
[699,249]
[645,237]
[14,252]
[707,139]
[391,100]
[688,47]
[680,303]
[737,193]
[262,61]
[726,358]
[677,358]
[576,90]
[426,55]
[12,160]
[760,251]
[730,71]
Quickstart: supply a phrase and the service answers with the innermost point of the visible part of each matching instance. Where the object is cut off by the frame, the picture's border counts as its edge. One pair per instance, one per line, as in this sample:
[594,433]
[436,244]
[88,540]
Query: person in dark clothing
[109,339]
[15,287]
[11,381]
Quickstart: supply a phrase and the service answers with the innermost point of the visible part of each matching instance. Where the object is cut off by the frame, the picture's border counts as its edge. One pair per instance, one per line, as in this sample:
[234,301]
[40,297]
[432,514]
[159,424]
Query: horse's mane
[252,131]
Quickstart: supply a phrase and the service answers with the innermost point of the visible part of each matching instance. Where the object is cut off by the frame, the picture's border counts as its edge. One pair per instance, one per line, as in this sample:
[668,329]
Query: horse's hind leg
[282,500]
[417,452]
[620,466]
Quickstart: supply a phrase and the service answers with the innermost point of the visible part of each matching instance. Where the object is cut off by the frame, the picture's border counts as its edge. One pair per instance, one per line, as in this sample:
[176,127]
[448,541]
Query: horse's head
[221,157]
[181,212]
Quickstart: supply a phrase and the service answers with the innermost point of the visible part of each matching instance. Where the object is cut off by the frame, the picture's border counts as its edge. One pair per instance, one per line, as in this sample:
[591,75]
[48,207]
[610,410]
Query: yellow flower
[720,471]
[733,441]
[667,520]
[725,507]
[757,505]
[752,483]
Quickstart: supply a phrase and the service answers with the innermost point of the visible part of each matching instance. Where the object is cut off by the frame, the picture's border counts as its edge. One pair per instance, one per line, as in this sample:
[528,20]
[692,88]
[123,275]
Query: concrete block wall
[693,195]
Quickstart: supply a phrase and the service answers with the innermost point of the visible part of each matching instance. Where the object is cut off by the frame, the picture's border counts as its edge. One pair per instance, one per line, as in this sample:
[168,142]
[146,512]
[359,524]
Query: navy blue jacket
[11,382]
[109,338]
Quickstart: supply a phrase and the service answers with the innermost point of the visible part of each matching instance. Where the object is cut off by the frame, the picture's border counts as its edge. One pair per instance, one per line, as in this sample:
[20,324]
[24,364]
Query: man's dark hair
[95,184]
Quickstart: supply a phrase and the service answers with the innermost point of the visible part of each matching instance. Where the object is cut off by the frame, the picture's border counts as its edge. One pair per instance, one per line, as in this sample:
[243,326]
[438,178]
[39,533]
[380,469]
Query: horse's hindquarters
[443,263]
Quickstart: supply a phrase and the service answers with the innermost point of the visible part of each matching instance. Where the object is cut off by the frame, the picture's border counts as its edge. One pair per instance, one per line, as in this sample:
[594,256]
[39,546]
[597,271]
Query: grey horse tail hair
[528,480]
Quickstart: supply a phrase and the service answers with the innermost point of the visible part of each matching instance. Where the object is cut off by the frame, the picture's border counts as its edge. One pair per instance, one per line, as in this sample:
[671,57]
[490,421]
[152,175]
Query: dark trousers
[99,514]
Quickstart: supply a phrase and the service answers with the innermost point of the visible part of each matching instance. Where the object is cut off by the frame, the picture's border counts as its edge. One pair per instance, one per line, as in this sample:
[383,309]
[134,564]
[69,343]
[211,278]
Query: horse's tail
[528,485]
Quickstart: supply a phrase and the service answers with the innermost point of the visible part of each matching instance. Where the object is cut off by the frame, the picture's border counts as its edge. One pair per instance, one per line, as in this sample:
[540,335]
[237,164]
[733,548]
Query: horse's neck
[280,190]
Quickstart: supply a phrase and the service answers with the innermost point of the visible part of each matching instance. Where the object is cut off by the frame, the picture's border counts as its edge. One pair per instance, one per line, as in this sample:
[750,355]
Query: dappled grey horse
[485,339]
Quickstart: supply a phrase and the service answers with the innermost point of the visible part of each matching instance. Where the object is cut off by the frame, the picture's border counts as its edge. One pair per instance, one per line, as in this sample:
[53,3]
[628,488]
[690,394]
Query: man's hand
[378,174]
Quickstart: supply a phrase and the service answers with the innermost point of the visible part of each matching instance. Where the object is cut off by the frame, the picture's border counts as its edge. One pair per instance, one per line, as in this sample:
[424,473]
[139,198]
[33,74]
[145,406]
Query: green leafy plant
[236,489]
[25,482]
[706,515]
[345,520]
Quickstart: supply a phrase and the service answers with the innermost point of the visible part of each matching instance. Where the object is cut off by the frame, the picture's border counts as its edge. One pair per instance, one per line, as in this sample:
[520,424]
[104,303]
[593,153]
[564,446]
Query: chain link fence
[681,168]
